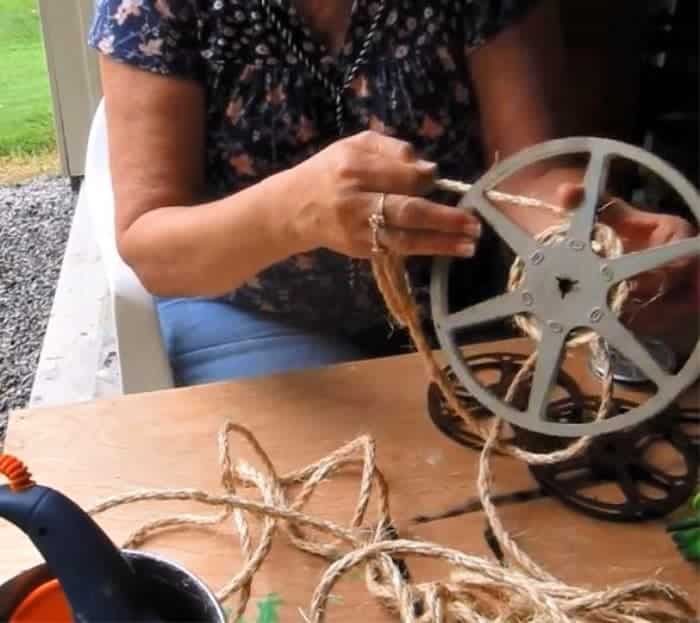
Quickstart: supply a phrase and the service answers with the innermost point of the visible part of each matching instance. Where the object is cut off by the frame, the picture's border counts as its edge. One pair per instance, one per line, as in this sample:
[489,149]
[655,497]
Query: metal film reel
[585,306]
[625,476]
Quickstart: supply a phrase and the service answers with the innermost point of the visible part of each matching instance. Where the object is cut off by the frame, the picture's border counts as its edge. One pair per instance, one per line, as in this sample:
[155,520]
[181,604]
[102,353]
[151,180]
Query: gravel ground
[35,219]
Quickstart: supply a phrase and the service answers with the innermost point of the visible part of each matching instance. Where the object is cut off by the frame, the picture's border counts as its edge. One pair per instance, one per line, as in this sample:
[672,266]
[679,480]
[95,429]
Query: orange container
[45,604]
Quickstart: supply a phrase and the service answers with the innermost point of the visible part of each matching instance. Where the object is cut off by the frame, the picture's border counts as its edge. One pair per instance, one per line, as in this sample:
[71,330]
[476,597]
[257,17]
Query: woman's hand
[663,300]
[343,185]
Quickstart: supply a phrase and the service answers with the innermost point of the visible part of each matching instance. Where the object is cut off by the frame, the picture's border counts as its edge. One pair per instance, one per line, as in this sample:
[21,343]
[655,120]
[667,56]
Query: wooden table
[167,440]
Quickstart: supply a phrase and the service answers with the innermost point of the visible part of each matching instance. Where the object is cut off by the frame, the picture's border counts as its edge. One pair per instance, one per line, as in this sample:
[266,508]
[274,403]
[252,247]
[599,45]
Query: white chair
[143,362]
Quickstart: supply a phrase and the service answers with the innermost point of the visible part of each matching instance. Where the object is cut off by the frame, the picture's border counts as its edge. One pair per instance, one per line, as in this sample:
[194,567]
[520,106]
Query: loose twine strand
[478,590]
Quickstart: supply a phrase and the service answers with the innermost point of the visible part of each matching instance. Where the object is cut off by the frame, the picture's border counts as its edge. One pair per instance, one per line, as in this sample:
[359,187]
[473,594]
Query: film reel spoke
[627,344]
[628,485]
[689,423]
[594,185]
[546,370]
[656,476]
[636,474]
[574,474]
[632,264]
[508,369]
[494,309]
[517,238]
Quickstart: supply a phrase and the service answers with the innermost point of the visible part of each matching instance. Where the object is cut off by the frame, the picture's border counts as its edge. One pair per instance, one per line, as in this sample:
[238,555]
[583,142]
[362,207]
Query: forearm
[211,248]
[176,241]
[521,84]
[526,92]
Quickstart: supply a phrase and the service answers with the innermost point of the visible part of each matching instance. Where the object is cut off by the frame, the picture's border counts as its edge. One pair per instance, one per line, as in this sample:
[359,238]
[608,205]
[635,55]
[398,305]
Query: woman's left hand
[666,299]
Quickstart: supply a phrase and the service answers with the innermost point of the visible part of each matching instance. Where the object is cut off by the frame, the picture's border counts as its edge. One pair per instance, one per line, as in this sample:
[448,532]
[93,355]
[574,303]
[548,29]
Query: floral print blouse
[267,76]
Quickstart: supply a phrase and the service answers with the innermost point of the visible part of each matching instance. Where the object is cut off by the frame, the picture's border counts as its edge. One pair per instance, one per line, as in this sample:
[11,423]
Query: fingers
[669,228]
[665,230]
[671,314]
[675,310]
[416,226]
[400,177]
[384,164]
[640,230]
[365,167]
[415,213]
[569,195]
[387,146]
[410,242]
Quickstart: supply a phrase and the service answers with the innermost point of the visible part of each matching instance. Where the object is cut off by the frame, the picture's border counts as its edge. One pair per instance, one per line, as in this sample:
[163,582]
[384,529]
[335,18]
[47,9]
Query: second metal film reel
[643,473]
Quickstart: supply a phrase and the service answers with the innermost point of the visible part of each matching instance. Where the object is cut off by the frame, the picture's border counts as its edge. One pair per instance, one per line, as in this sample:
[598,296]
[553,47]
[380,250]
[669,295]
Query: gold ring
[377,221]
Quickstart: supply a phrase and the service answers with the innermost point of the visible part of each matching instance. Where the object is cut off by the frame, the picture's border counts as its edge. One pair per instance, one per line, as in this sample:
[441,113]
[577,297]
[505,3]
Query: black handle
[97,579]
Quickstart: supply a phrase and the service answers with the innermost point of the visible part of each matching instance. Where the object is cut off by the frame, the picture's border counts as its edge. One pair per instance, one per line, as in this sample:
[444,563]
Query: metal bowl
[625,371]
[176,594]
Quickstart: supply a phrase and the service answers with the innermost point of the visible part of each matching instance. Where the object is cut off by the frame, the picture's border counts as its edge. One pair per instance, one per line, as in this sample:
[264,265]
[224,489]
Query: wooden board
[579,550]
[165,440]
[168,440]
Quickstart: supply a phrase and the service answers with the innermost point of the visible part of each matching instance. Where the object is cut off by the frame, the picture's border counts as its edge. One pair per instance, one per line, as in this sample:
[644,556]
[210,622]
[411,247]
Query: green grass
[26,118]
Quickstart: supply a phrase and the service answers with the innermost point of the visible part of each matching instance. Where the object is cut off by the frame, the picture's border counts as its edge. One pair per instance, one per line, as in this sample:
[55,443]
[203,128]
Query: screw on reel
[570,265]
[633,475]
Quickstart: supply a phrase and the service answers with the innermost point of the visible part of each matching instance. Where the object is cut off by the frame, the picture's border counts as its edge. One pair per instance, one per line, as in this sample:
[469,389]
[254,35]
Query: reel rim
[601,152]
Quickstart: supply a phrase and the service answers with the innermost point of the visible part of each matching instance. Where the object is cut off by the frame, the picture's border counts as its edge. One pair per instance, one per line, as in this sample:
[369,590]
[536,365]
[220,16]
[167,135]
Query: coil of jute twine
[478,590]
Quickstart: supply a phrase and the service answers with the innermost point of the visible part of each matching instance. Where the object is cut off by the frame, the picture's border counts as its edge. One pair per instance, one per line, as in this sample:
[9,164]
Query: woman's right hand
[343,185]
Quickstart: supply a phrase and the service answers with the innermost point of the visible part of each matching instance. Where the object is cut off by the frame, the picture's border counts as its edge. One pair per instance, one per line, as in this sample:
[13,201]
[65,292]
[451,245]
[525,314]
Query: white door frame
[73,76]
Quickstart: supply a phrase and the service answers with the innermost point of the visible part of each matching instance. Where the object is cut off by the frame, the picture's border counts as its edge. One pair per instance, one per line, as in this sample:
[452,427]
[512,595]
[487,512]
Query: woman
[252,141]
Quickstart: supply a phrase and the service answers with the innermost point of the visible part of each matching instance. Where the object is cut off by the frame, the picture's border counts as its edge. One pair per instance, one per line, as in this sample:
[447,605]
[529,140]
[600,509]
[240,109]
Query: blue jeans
[210,340]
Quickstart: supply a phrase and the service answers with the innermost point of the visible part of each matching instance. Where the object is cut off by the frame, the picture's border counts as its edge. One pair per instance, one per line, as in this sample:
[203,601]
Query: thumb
[569,195]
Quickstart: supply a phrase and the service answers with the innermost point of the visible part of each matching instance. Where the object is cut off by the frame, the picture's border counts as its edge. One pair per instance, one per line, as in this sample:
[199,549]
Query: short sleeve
[160,36]
[484,19]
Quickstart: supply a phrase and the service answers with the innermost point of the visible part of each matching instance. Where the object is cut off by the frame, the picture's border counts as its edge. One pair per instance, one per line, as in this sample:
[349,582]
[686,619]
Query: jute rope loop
[478,590]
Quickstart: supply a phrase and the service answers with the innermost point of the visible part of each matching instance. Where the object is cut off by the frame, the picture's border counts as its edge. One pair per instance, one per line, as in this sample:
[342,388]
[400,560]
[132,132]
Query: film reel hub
[564,283]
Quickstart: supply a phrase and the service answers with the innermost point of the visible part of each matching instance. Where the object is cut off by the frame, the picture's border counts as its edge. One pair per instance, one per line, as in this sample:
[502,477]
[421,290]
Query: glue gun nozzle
[16,472]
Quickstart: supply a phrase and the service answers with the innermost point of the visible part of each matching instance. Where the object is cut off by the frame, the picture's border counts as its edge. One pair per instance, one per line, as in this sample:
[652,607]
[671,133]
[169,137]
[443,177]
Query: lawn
[26,118]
